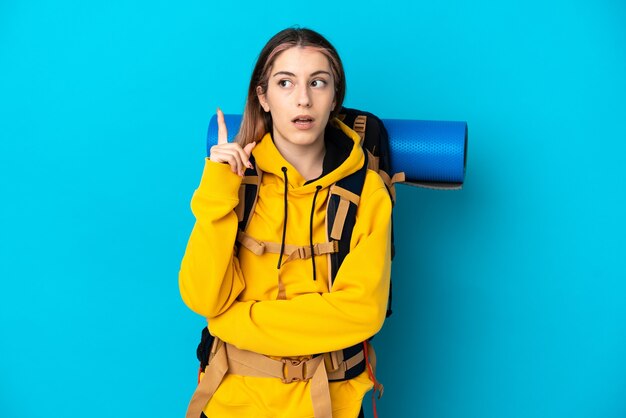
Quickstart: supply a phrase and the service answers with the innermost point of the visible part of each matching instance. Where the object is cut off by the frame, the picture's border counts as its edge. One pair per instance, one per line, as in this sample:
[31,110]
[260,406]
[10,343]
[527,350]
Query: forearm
[353,311]
[308,324]
[210,278]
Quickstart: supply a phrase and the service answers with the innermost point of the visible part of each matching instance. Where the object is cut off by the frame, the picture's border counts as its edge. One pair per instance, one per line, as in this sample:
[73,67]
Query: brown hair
[255,121]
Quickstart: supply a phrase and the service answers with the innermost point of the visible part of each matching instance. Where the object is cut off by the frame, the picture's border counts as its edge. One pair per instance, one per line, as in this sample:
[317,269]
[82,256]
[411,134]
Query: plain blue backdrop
[509,295]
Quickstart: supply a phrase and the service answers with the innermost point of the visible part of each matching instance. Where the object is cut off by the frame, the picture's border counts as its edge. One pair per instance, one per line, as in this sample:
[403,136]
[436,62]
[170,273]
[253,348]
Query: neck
[307,159]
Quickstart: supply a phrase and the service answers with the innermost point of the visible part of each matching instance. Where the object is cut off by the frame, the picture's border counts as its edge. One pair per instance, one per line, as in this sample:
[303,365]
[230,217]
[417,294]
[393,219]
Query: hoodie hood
[345,157]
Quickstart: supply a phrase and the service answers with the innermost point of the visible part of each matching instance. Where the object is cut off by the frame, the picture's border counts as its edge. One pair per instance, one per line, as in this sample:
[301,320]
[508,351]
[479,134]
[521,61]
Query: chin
[306,138]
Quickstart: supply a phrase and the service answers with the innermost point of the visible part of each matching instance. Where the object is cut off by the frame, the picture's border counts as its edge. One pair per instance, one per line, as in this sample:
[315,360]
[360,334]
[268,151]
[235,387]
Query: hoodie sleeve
[315,323]
[210,278]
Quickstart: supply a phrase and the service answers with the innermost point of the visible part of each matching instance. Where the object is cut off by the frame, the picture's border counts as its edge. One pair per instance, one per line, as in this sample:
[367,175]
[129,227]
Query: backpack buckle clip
[293,370]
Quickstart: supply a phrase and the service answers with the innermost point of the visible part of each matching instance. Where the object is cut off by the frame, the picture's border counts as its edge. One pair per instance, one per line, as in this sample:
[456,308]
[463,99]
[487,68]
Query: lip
[303,117]
[303,125]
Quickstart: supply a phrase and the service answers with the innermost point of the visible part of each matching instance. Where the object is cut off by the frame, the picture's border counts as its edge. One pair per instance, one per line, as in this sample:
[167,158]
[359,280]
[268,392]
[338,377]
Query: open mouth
[302,119]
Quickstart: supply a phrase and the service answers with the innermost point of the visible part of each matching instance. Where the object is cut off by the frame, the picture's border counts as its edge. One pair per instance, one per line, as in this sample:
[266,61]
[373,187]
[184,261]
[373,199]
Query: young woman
[288,339]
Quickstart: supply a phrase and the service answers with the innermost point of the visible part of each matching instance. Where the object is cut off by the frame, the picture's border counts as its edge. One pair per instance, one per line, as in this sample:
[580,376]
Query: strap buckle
[293,370]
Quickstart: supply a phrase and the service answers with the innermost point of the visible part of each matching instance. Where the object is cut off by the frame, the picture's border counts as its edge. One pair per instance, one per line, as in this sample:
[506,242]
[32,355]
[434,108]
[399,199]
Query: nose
[304,96]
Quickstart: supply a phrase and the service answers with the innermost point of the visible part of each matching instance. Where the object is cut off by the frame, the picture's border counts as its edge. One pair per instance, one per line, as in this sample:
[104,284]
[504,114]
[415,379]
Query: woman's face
[300,96]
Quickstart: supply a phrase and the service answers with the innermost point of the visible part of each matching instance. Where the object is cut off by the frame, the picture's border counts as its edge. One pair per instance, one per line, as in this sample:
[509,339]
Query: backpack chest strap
[293,252]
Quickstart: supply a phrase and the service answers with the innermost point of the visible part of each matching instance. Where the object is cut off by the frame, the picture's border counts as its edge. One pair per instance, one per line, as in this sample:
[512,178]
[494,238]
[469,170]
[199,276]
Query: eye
[285,83]
[318,83]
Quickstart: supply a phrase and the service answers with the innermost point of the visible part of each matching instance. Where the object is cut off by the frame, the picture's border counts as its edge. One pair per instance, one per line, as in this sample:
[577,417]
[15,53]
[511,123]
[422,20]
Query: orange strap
[370,364]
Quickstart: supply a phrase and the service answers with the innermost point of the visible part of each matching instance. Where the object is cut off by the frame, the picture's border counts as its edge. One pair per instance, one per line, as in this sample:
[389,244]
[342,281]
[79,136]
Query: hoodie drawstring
[317,189]
[282,242]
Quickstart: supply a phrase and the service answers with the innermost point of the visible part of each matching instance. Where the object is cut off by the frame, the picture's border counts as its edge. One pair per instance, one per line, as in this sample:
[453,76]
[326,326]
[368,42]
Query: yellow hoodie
[237,292]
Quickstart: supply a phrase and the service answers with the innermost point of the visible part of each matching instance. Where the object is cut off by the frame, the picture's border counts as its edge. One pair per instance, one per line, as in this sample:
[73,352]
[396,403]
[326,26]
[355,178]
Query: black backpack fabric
[375,142]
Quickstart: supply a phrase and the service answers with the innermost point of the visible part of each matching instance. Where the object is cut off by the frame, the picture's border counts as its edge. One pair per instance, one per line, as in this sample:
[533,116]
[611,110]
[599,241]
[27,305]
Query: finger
[243,156]
[249,147]
[222,132]
[221,156]
[228,156]
[248,151]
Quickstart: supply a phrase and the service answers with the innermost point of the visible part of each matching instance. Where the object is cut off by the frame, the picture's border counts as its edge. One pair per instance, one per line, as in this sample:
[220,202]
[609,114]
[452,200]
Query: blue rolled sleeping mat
[430,153]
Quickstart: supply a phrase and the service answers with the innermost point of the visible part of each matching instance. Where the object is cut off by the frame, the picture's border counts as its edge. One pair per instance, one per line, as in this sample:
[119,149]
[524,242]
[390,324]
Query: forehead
[301,61]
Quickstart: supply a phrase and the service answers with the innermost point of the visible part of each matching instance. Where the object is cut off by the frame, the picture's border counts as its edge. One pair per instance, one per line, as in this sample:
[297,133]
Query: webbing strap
[345,365]
[333,360]
[205,390]
[230,359]
[248,194]
[249,363]
[346,197]
[340,219]
[293,252]
[345,194]
[251,179]
[242,203]
[386,179]
[246,182]
[390,182]
[320,392]
[282,292]
[373,162]
[398,178]
[360,123]
[372,361]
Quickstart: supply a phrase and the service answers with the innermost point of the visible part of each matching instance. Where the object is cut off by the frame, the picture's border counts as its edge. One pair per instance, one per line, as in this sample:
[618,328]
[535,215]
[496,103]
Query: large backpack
[375,141]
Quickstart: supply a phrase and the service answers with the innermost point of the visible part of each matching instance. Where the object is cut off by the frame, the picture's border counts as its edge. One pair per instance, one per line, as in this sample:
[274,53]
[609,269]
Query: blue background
[509,294]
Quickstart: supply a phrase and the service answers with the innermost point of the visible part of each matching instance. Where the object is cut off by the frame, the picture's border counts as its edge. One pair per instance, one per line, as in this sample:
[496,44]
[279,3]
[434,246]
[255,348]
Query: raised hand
[230,152]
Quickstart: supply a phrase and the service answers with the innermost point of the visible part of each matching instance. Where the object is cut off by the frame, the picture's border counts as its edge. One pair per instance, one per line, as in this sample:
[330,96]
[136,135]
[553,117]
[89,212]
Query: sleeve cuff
[218,180]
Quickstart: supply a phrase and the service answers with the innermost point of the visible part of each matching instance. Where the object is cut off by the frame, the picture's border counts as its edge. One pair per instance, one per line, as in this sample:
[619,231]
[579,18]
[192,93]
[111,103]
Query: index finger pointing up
[222,133]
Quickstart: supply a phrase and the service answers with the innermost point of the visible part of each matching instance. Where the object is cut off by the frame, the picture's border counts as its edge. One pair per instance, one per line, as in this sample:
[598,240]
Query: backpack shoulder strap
[248,193]
[345,196]
[375,143]
[341,215]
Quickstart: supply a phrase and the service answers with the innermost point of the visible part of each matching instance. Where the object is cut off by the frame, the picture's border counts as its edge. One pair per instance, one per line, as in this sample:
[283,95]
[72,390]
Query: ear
[262,99]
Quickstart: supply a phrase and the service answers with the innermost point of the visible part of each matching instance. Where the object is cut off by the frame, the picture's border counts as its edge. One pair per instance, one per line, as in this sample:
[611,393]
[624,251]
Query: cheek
[331,103]
[275,99]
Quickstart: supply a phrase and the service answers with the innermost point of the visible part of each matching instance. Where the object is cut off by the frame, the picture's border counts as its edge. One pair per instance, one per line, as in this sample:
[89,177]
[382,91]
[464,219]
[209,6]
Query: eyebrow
[287,73]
